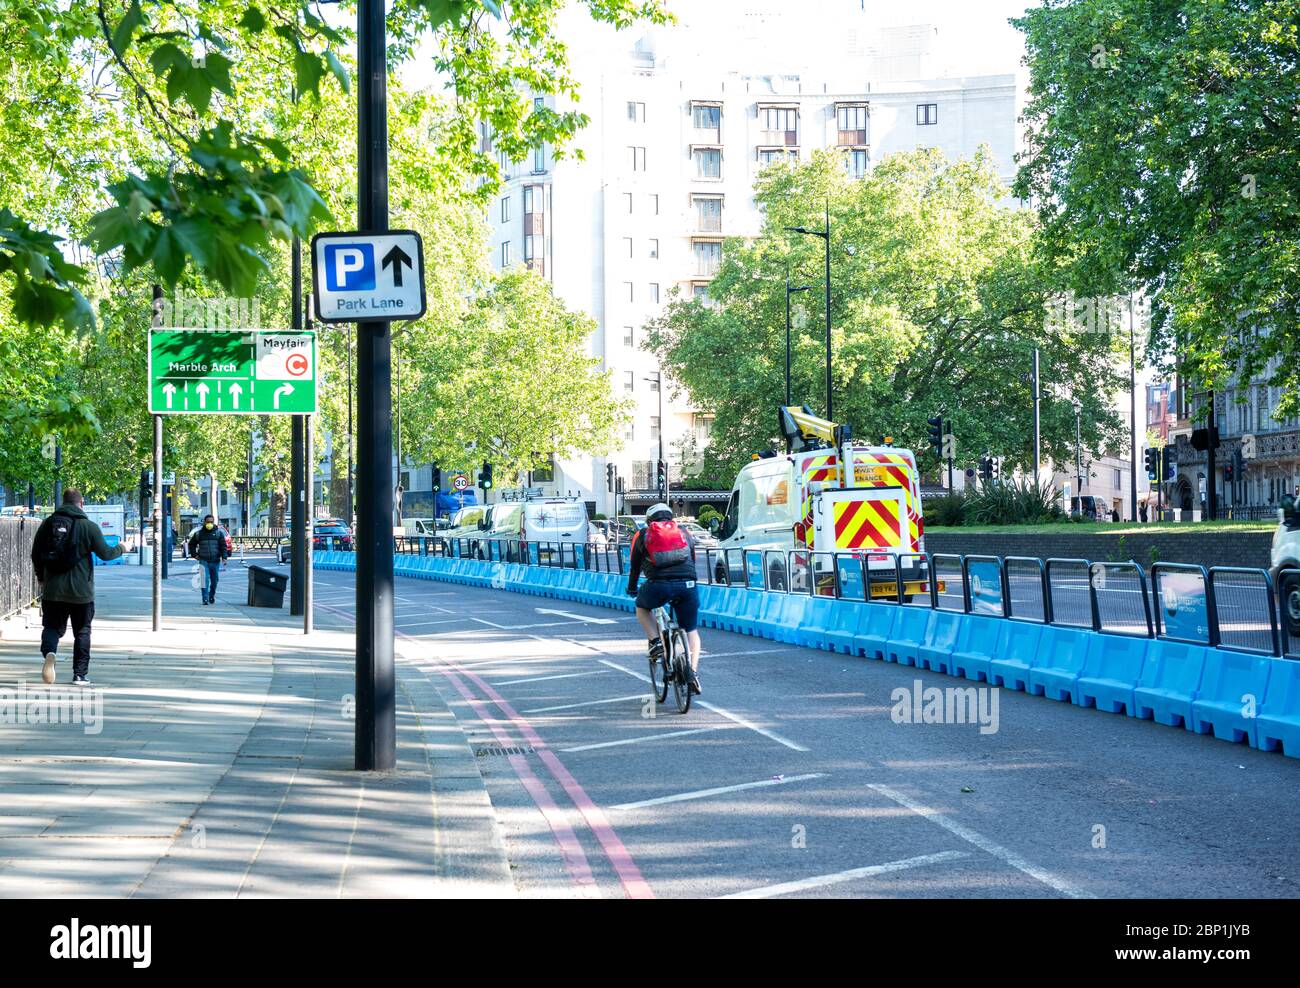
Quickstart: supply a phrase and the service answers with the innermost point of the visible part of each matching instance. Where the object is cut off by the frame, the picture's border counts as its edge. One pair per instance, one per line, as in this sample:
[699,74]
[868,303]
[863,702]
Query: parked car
[326,533]
[702,537]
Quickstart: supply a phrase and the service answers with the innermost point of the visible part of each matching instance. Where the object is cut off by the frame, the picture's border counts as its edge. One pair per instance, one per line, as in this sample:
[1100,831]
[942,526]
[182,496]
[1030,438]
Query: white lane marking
[757,651]
[821,881]
[538,679]
[521,627]
[575,617]
[705,793]
[982,842]
[735,718]
[646,737]
[586,703]
[429,624]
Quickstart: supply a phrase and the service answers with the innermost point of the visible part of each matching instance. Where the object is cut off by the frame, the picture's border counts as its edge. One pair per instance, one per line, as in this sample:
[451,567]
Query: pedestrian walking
[208,546]
[1142,512]
[61,558]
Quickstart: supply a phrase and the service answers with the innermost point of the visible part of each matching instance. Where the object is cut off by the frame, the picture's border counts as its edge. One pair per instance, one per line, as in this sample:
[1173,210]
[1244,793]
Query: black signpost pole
[297,468]
[376,714]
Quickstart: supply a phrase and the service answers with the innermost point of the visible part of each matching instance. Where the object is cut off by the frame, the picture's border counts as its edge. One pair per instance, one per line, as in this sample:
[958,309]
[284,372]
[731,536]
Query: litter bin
[266,586]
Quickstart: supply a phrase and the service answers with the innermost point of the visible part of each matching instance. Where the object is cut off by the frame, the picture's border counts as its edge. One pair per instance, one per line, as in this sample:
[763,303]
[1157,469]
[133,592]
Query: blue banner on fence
[985,587]
[1184,610]
[754,568]
[850,573]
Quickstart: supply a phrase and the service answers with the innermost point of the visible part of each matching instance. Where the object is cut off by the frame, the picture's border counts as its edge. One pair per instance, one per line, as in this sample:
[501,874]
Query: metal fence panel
[19,588]
[1120,592]
[1244,609]
[797,571]
[776,577]
[947,569]
[1068,593]
[1288,592]
[1026,588]
[823,574]
[913,566]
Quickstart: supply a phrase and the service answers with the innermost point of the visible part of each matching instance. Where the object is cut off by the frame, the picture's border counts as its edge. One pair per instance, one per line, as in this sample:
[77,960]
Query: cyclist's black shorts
[682,594]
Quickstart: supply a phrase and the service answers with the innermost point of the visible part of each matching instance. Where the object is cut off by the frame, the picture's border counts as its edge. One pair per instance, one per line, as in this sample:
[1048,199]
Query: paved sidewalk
[220,763]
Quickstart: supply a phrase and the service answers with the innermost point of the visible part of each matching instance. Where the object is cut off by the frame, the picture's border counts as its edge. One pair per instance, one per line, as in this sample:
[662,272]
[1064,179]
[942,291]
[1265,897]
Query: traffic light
[986,468]
[1153,463]
[1227,474]
[485,477]
[1167,459]
[146,489]
[1238,463]
[437,478]
[936,433]
[661,475]
[993,467]
[609,477]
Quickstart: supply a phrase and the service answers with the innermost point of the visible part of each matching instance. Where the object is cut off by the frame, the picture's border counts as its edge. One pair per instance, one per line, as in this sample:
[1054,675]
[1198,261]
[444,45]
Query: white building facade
[678,134]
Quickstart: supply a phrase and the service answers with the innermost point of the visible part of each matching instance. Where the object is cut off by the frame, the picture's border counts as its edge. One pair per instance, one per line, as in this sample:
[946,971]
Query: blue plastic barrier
[768,622]
[1169,683]
[1015,653]
[1111,668]
[1063,650]
[793,608]
[844,625]
[874,625]
[1279,714]
[1231,684]
[907,635]
[817,620]
[941,633]
[975,646]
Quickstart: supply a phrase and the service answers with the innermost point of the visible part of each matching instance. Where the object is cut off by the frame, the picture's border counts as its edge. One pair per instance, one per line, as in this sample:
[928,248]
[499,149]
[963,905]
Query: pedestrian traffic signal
[437,478]
[485,477]
[1153,463]
[936,433]
[609,477]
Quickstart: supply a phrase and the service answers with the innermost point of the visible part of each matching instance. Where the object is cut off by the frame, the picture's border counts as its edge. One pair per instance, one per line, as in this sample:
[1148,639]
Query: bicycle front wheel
[659,677]
[681,671]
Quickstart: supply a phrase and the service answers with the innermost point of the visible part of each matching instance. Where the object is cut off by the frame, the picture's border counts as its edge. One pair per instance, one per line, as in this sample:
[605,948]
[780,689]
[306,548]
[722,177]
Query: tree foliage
[1162,154]
[937,304]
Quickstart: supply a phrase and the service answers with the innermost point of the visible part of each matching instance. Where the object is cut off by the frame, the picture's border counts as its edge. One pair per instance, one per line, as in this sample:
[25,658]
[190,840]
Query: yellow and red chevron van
[828,496]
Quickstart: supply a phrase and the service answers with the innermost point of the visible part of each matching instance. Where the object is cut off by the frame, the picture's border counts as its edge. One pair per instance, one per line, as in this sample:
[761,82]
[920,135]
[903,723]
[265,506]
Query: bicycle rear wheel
[681,671]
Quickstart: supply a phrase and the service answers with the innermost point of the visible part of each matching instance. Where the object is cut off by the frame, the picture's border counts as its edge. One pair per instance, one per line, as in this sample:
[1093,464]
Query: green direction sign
[232,372]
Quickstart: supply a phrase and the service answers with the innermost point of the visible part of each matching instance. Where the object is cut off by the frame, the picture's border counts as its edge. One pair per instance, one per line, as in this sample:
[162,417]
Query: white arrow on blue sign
[367,277]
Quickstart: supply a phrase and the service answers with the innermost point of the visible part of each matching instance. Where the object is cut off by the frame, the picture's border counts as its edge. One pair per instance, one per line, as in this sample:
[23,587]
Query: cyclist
[666,553]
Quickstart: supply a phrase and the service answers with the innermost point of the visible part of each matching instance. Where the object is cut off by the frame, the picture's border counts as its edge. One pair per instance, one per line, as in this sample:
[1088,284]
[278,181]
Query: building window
[628,286]
[654,203]
[224,500]
[654,247]
[705,117]
[708,214]
[636,112]
[654,291]
[539,159]
[505,210]
[534,247]
[708,257]
[627,198]
[629,336]
[629,381]
[539,102]
[654,425]
[779,124]
[654,382]
[630,434]
[708,162]
[505,254]
[927,114]
[700,292]
[767,156]
[855,162]
[627,242]
[1119,481]
[530,205]
[851,122]
[638,158]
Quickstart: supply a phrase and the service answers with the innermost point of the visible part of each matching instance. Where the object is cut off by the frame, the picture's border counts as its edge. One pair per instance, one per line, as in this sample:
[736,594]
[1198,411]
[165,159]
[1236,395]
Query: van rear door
[862,520]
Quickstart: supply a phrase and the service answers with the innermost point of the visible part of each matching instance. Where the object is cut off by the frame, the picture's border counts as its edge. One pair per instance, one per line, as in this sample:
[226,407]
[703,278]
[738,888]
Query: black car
[328,533]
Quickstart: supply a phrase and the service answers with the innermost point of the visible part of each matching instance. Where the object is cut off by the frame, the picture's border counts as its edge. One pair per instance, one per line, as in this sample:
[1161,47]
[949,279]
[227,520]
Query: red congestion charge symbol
[296,364]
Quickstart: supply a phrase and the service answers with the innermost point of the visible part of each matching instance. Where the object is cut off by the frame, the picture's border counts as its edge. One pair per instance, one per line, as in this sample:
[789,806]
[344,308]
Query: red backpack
[665,544]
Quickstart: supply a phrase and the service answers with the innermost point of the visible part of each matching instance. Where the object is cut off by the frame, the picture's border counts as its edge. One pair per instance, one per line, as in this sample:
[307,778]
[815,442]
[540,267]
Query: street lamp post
[790,290]
[658,382]
[826,236]
[1078,455]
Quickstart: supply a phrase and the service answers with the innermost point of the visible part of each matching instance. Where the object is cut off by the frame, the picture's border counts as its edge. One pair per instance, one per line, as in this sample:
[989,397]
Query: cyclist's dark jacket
[685,570]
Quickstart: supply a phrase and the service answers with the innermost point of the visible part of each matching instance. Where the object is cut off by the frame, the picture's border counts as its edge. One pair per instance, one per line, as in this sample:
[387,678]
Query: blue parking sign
[350,267]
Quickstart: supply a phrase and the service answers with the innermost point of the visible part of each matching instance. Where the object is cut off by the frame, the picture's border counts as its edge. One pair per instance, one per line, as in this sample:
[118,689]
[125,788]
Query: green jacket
[77,586]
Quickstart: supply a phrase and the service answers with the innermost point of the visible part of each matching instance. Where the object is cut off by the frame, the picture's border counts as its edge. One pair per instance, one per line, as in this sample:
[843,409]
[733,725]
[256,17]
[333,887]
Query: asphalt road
[792,778]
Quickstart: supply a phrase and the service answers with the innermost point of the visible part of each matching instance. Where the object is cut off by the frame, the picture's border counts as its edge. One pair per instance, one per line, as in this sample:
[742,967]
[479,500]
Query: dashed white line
[587,703]
[821,881]
[720,790]
[646,737]
[982,842]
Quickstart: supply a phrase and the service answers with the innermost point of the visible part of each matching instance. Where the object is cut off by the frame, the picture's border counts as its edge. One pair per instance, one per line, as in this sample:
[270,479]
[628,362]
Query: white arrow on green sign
[232,372]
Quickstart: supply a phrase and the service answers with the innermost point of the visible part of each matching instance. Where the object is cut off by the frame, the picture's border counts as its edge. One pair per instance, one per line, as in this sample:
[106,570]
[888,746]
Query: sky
[973,36]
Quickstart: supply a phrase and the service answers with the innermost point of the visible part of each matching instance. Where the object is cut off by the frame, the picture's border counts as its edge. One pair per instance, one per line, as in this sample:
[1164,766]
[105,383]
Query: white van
[541,520]
[1286,556]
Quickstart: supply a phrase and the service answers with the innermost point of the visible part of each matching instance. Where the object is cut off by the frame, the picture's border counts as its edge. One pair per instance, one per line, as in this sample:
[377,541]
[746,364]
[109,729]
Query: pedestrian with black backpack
[208,546]
[66,574]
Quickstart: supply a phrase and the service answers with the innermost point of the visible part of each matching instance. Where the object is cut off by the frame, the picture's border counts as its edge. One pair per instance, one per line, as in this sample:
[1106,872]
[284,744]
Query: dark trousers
[210,571]
[54,622]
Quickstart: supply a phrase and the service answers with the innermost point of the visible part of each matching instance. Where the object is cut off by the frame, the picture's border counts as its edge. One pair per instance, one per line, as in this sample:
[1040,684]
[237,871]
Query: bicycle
[675,666]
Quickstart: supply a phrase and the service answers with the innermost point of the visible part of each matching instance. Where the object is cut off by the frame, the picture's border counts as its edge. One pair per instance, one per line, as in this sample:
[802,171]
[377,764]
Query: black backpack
[59,553]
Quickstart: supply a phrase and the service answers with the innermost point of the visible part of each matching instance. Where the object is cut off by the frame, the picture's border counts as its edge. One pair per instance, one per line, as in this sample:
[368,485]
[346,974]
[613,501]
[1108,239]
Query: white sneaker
[47,671]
